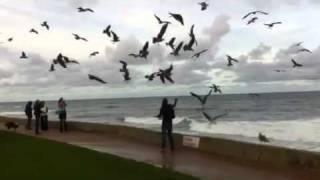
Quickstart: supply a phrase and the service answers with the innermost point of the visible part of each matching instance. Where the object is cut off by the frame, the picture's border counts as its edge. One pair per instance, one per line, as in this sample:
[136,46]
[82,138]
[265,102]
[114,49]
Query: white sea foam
[150,120]
[293,130]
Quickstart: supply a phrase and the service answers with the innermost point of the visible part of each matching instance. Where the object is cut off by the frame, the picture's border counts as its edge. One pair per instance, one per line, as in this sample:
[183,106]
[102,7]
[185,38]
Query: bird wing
[203,51]
[92,77]
[207,116]
[159,20]
[146,46]
[172,40]
[244,17]
[161,75]
[197,96]
[163,30]
[168,78]
[115,36]
[262,12]
[220,116]
[191,31]
[206,96]
[168,71]
[178,47]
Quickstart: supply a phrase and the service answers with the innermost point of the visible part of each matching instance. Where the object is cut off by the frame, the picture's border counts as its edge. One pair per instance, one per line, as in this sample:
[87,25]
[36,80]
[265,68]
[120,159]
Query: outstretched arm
[175,102]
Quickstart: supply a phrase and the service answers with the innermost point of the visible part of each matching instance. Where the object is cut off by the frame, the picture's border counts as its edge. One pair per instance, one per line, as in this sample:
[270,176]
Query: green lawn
[23,157]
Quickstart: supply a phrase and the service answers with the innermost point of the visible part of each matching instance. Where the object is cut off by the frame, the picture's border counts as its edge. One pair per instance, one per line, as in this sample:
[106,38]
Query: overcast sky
[220,29]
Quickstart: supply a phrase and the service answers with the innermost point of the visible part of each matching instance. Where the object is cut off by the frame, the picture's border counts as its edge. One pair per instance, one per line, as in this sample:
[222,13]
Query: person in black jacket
[28,112]
[167,114]
[37,113]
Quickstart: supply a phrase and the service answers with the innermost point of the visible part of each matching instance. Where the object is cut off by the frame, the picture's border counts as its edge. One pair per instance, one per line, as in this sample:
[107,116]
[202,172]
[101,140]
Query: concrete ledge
[257,153]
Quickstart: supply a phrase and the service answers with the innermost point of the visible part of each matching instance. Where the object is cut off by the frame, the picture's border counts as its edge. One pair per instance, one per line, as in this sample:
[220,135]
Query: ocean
[288,119]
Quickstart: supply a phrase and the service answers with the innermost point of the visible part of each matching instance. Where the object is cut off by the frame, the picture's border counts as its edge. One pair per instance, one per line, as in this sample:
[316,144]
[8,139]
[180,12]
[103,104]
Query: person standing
[37,113]
[62,112]
[44,116]
[28,112]
[167,114]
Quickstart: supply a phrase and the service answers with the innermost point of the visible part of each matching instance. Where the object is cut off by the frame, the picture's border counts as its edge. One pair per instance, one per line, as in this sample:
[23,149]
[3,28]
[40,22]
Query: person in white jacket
[44,116]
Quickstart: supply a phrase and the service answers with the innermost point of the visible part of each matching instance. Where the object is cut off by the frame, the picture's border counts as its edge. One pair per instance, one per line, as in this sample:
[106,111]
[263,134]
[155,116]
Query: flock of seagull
[163,74]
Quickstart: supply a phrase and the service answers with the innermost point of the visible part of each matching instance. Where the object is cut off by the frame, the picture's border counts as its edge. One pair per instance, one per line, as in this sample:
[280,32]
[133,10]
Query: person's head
[42,103]
[164,102]
[29,103]
[61,99]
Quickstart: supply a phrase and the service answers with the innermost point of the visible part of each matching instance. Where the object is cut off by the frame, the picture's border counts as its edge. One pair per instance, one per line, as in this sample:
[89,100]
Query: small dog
[11,124]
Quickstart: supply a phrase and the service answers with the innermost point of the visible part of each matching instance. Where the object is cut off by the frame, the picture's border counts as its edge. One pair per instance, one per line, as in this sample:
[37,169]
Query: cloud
[259,52]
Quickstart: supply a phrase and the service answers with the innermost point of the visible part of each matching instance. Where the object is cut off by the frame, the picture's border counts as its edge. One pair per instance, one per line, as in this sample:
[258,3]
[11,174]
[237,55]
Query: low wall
[258,153]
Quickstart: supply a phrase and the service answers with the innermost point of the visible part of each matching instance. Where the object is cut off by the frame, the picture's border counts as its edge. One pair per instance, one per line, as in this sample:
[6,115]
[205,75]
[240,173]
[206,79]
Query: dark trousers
[63,122]
[37,124]
[167,132]
[28,125]
[44,123]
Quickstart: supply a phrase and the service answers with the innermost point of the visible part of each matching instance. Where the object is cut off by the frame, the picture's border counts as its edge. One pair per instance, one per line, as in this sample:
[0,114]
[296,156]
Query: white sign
[191,141]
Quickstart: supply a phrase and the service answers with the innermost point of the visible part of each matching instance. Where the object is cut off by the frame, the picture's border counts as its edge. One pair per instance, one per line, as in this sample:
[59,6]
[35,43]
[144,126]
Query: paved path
[199,164]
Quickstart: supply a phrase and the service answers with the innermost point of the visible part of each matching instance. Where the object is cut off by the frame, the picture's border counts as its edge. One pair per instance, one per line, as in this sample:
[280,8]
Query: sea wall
[263,154]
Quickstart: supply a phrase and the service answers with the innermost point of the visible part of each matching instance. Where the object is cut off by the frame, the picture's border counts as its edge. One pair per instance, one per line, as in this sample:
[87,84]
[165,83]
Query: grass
[25,157]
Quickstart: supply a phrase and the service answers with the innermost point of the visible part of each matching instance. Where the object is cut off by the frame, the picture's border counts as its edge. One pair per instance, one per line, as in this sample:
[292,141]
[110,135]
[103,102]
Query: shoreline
[263,154]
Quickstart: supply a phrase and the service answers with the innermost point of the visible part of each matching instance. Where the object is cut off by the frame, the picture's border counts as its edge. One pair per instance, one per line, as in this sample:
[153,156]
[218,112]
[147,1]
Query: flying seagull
[216,88]
[177,17]
[77,37]
[23,55]
[176,51]
[81,9]
[115,37]
[95,78]
[214,118]
[45,24]
[304,50]
[279,70]
[171,43]
[197,55]
[60,60]
[188,47]
[253,20]
[33,31]
[203,100]
[270,25]
[143,53]
[159,37]
[295,64]
[204,5]
[125,70]
[94,53]
[107,31]
[10,39]
[254,13]
[230,59]
[160,21]
[263,138]
[166,74]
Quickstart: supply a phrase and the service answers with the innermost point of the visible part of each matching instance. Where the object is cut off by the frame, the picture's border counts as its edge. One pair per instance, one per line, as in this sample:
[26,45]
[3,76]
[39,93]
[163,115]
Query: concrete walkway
[188,161]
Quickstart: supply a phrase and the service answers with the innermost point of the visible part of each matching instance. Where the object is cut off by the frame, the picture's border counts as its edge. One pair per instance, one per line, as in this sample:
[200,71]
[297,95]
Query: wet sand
[188,161]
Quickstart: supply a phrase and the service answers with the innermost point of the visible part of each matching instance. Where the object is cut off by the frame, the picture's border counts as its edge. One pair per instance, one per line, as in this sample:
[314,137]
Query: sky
[220,29]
